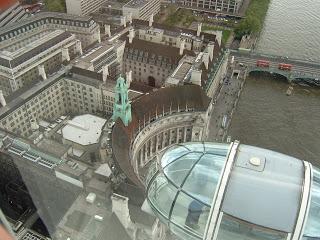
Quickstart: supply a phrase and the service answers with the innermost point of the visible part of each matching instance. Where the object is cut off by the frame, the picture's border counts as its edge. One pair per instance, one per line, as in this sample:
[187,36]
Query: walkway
[224,104]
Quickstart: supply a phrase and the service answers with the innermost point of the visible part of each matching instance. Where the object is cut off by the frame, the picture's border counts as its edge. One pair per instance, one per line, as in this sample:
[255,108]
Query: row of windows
[37,24]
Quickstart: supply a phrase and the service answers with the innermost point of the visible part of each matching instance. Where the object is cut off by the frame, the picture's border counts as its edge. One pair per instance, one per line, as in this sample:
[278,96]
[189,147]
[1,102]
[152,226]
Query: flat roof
[136,3]
[268,195]
[96,52]
[84,129]
[43,16]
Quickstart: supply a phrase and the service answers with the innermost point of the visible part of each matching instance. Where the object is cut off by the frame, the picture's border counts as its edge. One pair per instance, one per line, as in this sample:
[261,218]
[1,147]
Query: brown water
[266,116]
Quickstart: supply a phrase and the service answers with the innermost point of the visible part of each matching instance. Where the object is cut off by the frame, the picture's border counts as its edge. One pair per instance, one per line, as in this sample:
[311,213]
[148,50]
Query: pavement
[224,103]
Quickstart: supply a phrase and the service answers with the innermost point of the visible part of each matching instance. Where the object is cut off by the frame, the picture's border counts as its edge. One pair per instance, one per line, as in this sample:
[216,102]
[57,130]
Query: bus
[263,63]
[284,66]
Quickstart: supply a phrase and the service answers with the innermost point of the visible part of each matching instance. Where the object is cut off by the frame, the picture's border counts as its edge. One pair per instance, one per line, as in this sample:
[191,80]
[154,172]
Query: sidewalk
[224,104]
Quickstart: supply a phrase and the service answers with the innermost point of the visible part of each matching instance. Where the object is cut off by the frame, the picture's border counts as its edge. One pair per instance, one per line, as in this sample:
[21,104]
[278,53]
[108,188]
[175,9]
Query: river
[265,115]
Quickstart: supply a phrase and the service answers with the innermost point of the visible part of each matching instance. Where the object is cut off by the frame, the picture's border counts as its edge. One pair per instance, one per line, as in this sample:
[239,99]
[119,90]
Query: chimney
[79,47]
[129,78]
[98,36]
[182,43]
[105,73]
[210,50]
[205,59]
[121,209]
[199,29]
[2,99]
[42,72]
[123,21]
[196,77]
[131,35]
[65,54]
[107,30]
[151,20]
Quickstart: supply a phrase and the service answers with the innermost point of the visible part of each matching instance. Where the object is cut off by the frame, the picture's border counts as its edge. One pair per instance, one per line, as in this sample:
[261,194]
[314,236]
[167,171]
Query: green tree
[253,21]
[55,5]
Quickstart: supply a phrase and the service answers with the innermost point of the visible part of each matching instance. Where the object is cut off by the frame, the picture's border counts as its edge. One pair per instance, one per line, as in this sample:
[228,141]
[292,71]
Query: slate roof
[148,105]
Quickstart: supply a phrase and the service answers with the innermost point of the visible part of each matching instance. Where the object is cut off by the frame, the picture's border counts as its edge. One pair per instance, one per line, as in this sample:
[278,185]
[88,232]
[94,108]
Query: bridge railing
[275,57]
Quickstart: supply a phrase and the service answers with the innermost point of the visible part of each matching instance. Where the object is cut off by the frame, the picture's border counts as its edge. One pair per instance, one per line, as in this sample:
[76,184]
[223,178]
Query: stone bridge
[302,71]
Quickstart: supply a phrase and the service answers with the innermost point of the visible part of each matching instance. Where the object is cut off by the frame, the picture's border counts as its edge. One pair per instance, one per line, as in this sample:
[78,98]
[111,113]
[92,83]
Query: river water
[265,115]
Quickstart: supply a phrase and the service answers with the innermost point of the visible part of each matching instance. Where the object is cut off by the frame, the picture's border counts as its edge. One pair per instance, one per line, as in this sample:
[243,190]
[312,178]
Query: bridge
[302,71]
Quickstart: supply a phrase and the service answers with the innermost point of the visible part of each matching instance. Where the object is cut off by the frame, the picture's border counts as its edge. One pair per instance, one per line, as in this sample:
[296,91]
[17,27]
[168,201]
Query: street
[224,103]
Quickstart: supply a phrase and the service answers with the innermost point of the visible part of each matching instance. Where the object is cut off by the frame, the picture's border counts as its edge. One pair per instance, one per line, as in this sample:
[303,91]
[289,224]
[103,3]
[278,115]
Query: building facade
[74,91]
[154,53]
[159,119]
[141,9]
[83,7]
[38,46]
[25,61]
[228,6]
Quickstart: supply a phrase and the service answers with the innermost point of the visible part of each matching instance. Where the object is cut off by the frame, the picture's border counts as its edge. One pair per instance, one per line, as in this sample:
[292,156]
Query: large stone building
[159,55]
[141,9]
[83,7]
[78,91]
[39,45]
[90,153]
[227,6]
[160,119]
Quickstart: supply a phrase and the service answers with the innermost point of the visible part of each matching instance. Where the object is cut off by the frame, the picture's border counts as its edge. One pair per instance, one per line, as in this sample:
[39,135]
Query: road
[224,104]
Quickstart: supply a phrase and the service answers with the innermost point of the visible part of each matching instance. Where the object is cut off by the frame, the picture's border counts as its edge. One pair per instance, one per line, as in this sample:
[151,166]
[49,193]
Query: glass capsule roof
[312,229]
[182,189]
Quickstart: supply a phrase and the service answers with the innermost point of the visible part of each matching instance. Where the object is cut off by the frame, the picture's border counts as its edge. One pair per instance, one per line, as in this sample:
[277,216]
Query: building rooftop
[155,51]
[84,129]
[96,52]
[41,16]
[173,30]
[136,3]
[23,54]
[113,5]
[147,106]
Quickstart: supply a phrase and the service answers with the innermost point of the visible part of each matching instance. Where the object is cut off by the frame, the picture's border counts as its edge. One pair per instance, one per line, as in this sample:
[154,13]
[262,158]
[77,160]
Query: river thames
[265,115]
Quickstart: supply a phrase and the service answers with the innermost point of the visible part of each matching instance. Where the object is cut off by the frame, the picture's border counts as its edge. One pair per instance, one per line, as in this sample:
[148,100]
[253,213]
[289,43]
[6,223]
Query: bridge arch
[270,72]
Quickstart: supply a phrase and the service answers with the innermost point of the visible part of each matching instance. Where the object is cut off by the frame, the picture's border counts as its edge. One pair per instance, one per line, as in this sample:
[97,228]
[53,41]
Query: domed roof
[185,167]
[205,189]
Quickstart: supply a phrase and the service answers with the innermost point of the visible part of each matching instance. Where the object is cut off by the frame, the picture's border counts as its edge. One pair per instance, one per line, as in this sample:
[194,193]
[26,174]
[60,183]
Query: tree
[55,5]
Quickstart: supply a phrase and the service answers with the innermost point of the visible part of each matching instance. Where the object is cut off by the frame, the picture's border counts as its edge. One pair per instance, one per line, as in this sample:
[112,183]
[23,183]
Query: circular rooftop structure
[233,191]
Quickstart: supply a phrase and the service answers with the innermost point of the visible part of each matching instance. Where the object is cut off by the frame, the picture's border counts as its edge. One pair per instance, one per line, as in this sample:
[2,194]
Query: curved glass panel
[195,146]
[206,174]
[190,214]
[172,154]
[312,228]
[217,148]
[179,169]
[161,195]
[232,228]
[196,173]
